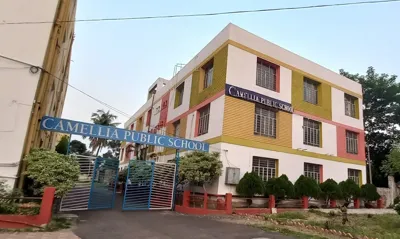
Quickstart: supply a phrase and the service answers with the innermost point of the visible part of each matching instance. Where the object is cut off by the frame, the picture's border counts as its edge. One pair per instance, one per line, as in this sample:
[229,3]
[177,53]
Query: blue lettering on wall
[94,130]
[252,96]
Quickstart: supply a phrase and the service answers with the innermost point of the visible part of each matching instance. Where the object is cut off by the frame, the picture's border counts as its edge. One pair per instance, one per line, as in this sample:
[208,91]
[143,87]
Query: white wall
[242,70]
[338,113]
[27,43]
[329,139]
[215,121]
[289,164]
[242,36]
[173,113]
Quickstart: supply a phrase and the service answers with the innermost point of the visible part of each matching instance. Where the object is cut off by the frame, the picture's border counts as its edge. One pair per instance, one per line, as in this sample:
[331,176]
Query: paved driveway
[161,225]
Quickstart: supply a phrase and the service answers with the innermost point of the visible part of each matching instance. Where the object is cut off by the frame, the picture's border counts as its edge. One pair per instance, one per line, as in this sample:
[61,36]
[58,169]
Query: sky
[116,62]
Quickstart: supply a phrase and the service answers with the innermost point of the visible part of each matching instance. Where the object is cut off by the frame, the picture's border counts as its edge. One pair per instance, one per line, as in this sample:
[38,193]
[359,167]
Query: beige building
[34,68]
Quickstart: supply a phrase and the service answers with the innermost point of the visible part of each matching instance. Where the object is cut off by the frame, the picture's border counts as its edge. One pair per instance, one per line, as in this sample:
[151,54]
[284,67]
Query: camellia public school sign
[252,96]
[107,132]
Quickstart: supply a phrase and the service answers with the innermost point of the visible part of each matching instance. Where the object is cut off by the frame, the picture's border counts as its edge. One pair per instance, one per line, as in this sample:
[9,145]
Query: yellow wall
[198,94]
[239,123]
[324,107]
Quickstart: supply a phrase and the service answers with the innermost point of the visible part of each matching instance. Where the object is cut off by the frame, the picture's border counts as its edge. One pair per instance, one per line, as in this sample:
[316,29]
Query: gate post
[176,178]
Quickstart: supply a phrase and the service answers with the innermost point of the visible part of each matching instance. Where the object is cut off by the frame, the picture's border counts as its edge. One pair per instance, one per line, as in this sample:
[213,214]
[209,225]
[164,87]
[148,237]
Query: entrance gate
[149,185]
[96,185]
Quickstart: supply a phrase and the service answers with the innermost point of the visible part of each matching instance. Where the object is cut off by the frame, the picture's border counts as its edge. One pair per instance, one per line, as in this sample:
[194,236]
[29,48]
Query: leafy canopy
[350,190]
[381,99]
[305,186]
[62,146]
[391,165]
[77,147]
[48,168]
[200,167]
[280,187]
[369,193]
[330,190]
[250,185]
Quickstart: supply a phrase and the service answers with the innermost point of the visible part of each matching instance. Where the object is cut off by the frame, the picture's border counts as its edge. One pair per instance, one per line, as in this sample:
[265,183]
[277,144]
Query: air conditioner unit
[232,176]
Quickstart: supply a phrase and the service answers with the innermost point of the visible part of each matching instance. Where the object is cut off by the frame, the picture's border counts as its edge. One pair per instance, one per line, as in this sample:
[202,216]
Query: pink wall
[164,110]
[341,143]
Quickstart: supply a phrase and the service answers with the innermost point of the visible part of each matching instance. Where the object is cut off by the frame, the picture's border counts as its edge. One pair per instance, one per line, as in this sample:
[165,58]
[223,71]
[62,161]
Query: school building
[264,108]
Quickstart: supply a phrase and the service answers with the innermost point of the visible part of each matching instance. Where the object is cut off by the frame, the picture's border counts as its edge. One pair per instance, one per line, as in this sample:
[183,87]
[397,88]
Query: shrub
[305,186]
[396,200]
[369,193]
[397,208]
[48,168]
[250,185]
[330,190]
[280,187]
[350,190]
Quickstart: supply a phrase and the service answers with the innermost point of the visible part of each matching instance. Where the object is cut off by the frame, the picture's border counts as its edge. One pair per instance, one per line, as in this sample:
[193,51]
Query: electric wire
[205,14]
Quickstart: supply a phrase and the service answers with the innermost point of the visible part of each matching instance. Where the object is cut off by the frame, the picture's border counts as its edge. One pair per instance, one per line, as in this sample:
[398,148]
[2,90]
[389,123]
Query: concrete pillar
[333,203]
[186,198]
[46,208]
[356,203]
[228,203]
[271,202]
[205,200]
[305,202]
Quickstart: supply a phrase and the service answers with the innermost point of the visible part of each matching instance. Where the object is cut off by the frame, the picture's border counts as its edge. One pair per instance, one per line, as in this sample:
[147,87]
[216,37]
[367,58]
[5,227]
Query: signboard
[255,97]
[106,132]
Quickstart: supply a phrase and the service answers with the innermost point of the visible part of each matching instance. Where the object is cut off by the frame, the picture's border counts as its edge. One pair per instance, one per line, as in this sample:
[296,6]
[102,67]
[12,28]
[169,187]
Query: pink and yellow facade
[265,109]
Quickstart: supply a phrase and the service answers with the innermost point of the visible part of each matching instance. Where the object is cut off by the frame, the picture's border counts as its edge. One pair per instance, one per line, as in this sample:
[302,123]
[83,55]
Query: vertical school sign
[106,132]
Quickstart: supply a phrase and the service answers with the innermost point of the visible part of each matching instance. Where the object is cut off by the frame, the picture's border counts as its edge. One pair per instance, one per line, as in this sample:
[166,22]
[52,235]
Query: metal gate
[95,188]
[149,185]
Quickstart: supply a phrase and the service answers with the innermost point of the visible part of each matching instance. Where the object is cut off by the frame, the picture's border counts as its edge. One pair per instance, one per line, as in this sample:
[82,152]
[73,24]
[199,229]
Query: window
[265,121]
[179,94]
[351,142]
[312,171]
[208,73]
[354,175]
[264,167]
[148,118]
[350,105]
[177,126]
[204,118]
[310,91]
[266,75]
[311,132]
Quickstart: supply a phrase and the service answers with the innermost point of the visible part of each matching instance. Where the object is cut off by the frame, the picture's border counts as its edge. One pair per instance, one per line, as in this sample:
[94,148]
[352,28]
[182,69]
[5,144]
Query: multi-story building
[34,68]
[264,108]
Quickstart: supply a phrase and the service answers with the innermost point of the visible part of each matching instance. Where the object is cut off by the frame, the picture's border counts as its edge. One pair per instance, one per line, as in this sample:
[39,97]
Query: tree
[350,190]
[48,168]
[369,192]
[305,186]
[200,168]
[115,146]
[391,166]
[381,99]
[101,118]
[330,190]
[77,147]
[280,187]
[250,185]
[62,146]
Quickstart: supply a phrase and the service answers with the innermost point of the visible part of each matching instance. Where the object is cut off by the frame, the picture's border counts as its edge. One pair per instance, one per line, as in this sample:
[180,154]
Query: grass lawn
[374,226]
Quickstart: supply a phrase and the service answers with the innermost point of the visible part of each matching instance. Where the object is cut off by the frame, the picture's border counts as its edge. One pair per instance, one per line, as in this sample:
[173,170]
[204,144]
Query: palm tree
[101,118]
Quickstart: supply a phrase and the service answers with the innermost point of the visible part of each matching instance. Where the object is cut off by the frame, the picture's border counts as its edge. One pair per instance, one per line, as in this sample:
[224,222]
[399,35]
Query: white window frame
[310,91]
[264,167]
[265,121]
[311,132]
[177,128]
[350,105]
[351,142]
[312,171]
[208,74]
[204,120]
[354,174]
[266,75]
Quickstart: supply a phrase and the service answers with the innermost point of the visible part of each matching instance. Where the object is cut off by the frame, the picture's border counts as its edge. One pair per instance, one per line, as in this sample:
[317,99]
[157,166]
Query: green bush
[350,190]
[280,187]
[250,185]
[305,186]
[49,168]
[369,193]
[396,200]
[330,190]
[8,208]
[397,208]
